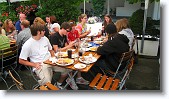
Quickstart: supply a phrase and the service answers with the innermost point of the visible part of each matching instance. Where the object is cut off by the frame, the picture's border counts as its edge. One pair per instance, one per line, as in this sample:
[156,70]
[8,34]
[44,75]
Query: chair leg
[17,74]
[5,82]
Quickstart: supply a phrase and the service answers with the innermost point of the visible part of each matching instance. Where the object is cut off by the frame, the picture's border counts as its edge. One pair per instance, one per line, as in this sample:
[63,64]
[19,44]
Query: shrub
[136,24]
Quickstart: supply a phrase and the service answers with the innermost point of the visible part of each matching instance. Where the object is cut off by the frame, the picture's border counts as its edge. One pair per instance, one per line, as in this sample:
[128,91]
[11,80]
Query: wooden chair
[125,57]
[109,83]
[104,82]
[8,61]
[47,86]
[17,83]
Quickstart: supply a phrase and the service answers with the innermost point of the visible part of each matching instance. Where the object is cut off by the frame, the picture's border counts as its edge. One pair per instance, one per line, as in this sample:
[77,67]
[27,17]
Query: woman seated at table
[4,40]
[9,29]
[111,50]
[82,27]
[124,28]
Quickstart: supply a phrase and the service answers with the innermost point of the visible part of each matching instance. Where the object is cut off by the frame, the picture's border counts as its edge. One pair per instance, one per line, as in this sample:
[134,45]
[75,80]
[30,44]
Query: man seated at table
[24,35]
[111,50]
[38,49]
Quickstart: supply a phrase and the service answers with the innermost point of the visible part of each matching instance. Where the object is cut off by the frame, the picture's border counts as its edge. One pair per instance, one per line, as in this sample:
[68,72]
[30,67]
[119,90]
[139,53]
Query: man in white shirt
[38,49]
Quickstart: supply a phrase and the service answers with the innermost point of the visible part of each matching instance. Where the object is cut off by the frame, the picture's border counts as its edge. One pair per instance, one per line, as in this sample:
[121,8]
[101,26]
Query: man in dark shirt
[112,49]
[59,39]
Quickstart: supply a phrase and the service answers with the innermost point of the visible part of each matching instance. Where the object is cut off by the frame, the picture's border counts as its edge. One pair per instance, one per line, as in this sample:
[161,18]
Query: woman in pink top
[82,27]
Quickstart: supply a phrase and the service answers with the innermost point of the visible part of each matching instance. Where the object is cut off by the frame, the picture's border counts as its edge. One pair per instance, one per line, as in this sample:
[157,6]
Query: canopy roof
[13,0]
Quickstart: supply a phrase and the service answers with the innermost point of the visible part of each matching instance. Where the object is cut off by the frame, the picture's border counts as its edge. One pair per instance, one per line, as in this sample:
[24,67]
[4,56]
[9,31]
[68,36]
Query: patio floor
[144,76]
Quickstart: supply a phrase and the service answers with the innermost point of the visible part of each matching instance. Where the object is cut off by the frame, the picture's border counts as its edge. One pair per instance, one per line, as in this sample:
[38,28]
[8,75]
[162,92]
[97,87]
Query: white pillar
[84,6]
[144,24]
[156,11]
[108,7]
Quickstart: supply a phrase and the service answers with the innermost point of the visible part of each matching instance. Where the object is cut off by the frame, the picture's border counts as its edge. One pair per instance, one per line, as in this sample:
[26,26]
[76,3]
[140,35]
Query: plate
[79,66]
[61,54]
[87,59]
[93,48]
[53,59]
[64,61]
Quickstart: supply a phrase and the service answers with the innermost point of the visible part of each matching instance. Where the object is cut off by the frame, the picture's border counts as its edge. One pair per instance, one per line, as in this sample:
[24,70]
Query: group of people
[41,40]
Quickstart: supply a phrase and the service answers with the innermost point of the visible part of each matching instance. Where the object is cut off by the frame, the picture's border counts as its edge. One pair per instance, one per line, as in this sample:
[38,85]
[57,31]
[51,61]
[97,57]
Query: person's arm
[84,34]
[56,48]
[27,63]
[52,53]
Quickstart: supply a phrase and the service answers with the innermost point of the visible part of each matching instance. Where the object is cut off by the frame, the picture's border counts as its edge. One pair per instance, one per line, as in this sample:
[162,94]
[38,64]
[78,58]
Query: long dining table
[76,61]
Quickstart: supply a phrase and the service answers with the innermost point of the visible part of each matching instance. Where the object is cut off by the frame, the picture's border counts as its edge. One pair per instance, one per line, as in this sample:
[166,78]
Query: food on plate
[64,61]
[93,48]
[62,54]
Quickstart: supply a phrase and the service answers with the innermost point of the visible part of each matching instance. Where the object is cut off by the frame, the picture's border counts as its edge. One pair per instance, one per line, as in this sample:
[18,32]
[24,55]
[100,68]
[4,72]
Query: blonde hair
[5,25]
[39,20]
[122,24]
[81,17]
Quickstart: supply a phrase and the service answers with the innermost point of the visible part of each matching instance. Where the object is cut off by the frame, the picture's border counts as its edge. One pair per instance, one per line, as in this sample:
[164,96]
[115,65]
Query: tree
[98,6]
[64,10]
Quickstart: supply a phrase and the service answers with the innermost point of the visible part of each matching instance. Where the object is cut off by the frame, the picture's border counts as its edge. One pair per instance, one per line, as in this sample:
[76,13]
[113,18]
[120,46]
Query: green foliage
[98,6]
[6,12]
[136,24]
[64,10]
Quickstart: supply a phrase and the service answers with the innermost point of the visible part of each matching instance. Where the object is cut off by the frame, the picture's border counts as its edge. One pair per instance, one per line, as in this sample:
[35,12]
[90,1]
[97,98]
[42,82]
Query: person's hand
[105,40]
[38,65]
[72,43]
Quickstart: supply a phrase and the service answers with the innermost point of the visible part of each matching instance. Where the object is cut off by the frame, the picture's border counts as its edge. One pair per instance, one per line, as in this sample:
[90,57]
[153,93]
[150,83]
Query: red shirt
[73,35]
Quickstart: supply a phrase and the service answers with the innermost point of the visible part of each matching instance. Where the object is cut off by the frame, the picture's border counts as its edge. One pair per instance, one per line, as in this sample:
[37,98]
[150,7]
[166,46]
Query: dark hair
[35,28]
[65,25]
[111,28]
[110,21]
[53,19]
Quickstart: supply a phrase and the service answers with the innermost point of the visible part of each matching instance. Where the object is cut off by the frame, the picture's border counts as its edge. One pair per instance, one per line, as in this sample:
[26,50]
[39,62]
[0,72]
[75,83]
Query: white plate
[80,66]
[53,59]
[87,59]
[66,61]
[63,54]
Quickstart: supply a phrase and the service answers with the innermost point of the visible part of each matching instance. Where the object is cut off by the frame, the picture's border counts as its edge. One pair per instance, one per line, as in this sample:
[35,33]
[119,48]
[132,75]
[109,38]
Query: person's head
[37,29]
[72,24]
[48,19]
[56,27]
[107,19]
[122,24]
[53,19]
[39,20]
[82,18]
[25,24]
[111,29]
[65,28]
[22,16]
[8,25]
